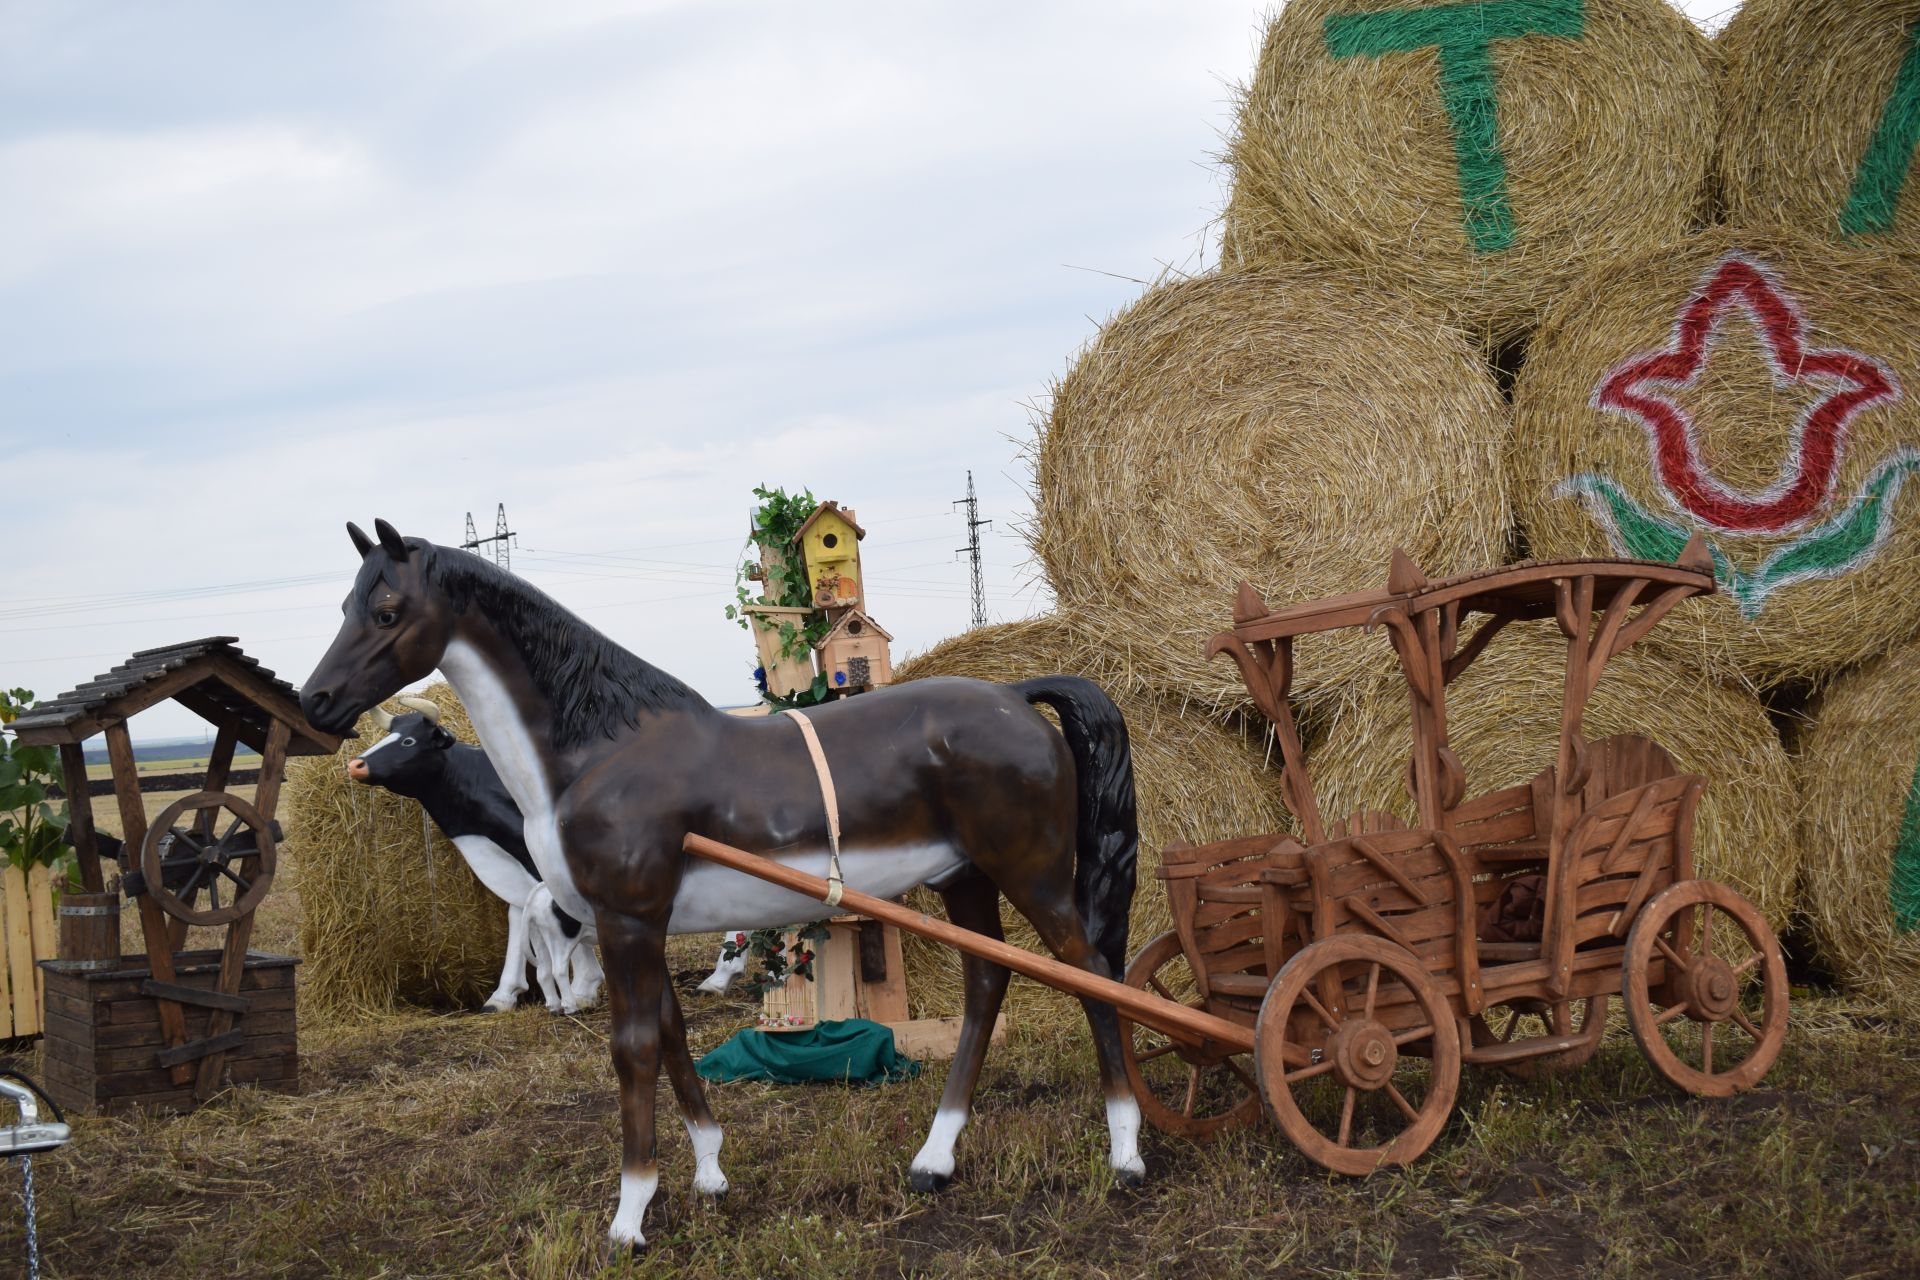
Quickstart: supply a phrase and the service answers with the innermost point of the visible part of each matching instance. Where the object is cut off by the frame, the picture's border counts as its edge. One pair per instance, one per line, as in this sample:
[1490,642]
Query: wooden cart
[1344,974]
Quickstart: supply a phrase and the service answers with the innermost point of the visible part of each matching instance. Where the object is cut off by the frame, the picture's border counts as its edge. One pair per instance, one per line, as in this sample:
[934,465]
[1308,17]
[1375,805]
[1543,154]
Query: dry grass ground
[450,1145]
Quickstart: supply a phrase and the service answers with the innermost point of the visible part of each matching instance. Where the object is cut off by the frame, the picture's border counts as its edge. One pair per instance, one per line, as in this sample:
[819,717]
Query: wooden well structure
[172,1027]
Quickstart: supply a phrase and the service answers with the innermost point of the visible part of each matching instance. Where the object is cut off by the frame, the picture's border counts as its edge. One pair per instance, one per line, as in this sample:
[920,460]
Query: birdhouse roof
[840,627]
[831,508]
[210,677]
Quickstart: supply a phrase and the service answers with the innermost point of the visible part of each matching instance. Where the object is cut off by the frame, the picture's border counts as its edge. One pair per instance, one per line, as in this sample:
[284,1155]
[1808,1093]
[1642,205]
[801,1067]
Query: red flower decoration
[1852,382]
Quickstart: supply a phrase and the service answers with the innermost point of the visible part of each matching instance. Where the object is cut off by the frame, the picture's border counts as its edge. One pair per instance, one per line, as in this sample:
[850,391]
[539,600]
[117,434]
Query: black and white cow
[462,793]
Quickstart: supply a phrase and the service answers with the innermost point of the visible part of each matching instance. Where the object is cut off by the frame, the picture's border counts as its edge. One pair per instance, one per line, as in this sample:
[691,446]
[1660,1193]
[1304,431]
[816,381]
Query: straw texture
[1785,433]
[1485,151]
[1820,117]
[1196,781]
[1860,803]
[1288,426]
[1503,721]
[391,914]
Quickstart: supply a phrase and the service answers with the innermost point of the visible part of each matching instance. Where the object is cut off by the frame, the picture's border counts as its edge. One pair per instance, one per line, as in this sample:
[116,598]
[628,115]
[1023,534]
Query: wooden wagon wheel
[168,844]
[1723,1002]
[1192,1091]
[1505,1023]
[1303,1044]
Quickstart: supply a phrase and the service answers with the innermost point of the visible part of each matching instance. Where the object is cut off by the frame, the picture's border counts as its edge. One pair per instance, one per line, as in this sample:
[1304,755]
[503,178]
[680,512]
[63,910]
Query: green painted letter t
[1464,35]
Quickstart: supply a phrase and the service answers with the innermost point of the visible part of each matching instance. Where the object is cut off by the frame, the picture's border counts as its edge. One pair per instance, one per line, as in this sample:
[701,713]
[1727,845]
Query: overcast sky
[268,268]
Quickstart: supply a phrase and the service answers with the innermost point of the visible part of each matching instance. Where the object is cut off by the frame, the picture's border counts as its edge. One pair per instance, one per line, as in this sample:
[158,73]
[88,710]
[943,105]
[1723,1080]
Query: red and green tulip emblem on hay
[1641,389]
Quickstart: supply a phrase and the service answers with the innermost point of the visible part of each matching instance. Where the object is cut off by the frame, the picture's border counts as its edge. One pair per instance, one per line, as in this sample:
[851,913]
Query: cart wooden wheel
[1332,1039]
[1195,1091]
[1716,1022]
[1506,1023]
[169,843]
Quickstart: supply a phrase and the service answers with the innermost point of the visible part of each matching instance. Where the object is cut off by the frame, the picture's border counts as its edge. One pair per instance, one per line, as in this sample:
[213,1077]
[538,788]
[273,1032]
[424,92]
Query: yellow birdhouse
[830,541]
[854,655]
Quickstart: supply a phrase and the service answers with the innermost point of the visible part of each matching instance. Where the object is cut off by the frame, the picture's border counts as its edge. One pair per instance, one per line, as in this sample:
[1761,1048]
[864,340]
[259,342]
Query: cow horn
[381,720]
[428,709]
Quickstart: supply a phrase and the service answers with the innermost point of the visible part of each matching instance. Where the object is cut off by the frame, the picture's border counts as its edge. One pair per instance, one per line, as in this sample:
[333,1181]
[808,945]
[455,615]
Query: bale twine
[1503,721]
[1859,794]
[1820,111]
[391,912]
[1288,426]
[1763,389]
[1485,151]
[1195,780]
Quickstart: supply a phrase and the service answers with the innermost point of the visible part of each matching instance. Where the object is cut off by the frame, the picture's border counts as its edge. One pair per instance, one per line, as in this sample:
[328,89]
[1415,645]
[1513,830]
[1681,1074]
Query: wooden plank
[86,842]
[194,1050]
[149,1056]
[1167,1016]
[19,942]
[153,921]
[195,995]
[257,1024]
[46,944]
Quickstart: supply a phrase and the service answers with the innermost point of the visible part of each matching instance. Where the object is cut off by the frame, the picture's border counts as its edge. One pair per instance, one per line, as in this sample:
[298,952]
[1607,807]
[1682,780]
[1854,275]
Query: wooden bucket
[90,930]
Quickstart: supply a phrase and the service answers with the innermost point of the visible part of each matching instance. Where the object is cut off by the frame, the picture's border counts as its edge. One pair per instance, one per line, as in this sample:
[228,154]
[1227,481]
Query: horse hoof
[927,1182]
[619,1251]
[1131,1179]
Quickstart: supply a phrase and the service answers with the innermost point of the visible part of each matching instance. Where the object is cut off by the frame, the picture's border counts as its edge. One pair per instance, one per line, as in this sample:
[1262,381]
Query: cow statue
[463,794]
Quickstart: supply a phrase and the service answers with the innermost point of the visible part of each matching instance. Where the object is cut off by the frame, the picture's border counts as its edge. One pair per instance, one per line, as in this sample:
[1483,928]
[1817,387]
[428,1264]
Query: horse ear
[390,540]
[361,542]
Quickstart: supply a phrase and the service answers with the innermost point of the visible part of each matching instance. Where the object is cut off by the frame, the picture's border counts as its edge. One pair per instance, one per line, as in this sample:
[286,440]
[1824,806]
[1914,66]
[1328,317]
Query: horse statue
[957,784]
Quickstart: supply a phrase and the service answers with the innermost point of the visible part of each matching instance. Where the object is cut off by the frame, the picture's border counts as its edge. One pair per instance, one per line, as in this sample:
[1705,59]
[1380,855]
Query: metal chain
[33,1230]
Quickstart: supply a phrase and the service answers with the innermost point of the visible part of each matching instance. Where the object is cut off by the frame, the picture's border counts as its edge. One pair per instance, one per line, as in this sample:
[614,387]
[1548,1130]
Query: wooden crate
[26,936]
[857,973]
[103,1038]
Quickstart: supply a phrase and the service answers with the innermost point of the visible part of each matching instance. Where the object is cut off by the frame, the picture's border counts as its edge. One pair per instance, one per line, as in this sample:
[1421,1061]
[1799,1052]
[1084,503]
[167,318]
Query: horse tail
[1108,835]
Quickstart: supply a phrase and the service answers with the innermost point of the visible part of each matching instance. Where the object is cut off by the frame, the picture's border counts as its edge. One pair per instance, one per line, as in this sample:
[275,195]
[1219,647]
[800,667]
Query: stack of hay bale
[1550,278]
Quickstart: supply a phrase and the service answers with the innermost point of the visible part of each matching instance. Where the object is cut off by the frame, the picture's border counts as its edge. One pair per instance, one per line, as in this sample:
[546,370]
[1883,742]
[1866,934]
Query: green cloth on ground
[854,1050]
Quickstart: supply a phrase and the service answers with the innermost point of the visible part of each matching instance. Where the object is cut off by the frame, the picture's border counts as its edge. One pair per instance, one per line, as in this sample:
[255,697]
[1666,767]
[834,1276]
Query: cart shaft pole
[1170,1017]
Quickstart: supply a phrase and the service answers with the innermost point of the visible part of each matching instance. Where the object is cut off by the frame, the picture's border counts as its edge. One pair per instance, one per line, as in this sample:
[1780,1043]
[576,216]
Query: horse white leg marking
[636,1190]
[708,1179]
[725,971]
[513,972]
[936,1154]
[1123,1127]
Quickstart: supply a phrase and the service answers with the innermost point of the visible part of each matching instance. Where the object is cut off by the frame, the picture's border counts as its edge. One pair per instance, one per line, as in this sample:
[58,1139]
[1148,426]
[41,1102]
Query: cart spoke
[1406,1108]
[1333,1023]
[193,882]
[1346,1118]
[230,874]
[1154,982]
[1233,1065]
[1409,1036]
[1672,956]
[1193,1092]
[1706,928]
[213,895]
[1307,1073]
[1746,1024]
[1669,1014]
[1151,1054]
[1373,987]
[1747,966]
[1706,1047]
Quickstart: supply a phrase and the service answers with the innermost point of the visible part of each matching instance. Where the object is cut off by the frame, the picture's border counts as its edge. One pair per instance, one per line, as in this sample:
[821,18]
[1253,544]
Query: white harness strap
[828,798]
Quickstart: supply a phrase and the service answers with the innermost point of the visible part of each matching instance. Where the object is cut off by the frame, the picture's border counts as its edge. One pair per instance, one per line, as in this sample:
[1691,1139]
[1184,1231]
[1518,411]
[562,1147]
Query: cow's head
[410,753]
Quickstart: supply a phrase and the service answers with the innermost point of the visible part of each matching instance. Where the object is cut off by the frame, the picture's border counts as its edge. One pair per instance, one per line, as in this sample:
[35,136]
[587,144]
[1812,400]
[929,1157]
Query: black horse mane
[594,686]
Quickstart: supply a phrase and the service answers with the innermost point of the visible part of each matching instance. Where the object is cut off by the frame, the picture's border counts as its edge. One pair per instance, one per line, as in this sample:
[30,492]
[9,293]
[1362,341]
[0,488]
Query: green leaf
[1839,545]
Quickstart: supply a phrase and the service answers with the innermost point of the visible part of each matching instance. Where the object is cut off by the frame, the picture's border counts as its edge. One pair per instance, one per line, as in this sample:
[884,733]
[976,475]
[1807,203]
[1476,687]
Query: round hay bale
[1820,108]
[1764,390]
[391,913]
[1503,721]
[1859,800]
[1287,426]
[1486,151]
[1196,780]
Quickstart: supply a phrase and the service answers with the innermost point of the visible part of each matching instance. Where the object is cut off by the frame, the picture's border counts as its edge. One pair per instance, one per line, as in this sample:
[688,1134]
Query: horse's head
[396,628]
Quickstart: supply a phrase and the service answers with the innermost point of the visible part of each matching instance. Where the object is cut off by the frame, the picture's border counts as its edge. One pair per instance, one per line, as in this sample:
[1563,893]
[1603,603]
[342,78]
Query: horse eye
[386,617]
